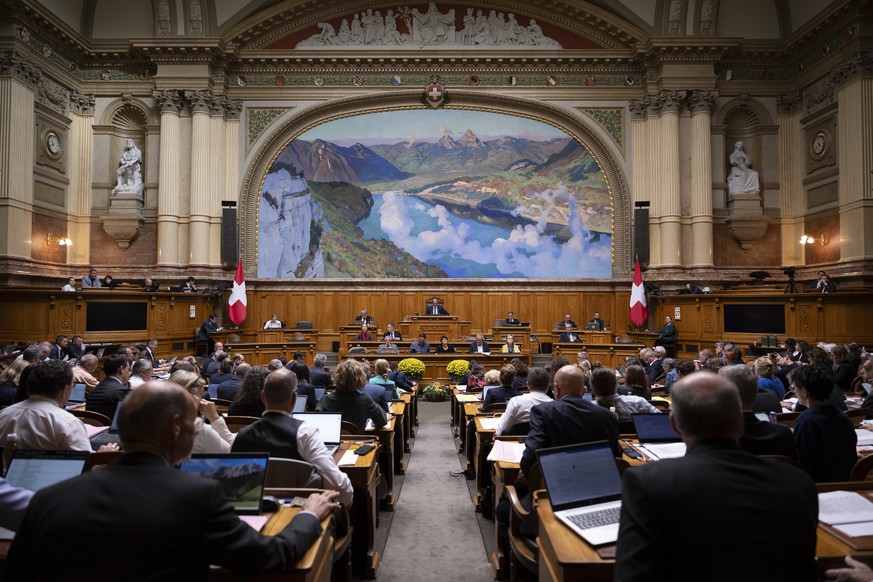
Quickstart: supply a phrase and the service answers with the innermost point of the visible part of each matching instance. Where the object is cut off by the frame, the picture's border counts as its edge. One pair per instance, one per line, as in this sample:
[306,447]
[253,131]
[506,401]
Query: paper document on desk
[844,507]
[348,458]
[659,451]
[257,522]
[474,398]
[865,437]
[490,422]
[508,451]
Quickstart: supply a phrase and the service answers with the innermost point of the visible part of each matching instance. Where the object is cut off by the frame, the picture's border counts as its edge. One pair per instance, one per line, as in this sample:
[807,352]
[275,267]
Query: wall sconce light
[65,242]
[806,239]
[57,239]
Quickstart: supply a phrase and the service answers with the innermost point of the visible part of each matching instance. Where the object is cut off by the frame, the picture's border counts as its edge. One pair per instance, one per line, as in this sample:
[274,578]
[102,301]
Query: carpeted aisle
[434,534]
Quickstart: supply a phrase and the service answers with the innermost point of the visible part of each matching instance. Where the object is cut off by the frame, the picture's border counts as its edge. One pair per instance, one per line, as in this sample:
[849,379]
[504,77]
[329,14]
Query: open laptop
[77,396]
[108,435]
[319,394]
[654,428]
[329,426]
[242,477]
[299,405]
[37,469]
[584,488]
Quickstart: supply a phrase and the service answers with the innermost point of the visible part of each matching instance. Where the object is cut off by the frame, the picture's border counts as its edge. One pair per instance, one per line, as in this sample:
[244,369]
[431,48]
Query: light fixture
[57,239]
[806,239]
[65,242]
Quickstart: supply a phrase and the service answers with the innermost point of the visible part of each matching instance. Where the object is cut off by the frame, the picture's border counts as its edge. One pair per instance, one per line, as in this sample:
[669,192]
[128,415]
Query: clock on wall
[53,145]
[819,144]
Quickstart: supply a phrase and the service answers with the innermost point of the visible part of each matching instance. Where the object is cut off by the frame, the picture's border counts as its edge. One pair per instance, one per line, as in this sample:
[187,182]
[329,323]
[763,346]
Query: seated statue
[742,178]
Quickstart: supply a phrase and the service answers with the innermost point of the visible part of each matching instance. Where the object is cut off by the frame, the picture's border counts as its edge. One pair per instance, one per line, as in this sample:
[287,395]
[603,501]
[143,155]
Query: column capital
[14,65]
[81,103]
[169,100]
[702,101]
[638,108]
[789,103]
[232,109]
[859,65]
[671,101]
[199,101]
[217,105]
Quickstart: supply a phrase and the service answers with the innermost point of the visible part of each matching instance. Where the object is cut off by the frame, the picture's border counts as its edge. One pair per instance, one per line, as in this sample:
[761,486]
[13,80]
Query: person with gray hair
[665,504]
[759,437]
[83,371]
[140,373]
[319,376]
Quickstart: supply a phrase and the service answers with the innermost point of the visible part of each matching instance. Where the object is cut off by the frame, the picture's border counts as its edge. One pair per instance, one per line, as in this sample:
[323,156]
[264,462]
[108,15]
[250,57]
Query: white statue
[129,171]
[432,27]
[742,178]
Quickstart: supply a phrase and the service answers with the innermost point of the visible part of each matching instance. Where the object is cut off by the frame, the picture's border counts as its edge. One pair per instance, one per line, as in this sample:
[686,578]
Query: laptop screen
[242,477]
[578,475]
[319,394]
[300,405]
[654,428]
[77,394]
[37,469]
[329,424]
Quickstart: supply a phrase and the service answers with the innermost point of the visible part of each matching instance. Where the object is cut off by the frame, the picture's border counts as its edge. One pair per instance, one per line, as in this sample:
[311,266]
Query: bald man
[679,516]
[569,419]
[147,520]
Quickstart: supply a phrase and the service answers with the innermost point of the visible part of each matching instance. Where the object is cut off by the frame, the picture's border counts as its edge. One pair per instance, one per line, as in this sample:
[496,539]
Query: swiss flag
[639,311]
[237,302]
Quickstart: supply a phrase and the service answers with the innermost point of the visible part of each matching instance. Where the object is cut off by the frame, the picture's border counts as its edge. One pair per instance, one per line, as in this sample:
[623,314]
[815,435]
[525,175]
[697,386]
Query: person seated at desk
[59,349]
[825,285]
[356,407]
[363,318]
[596,324]
[568,335]
[364,335]
[692,289]
[9,380]
[228,389]
[158,512]
[225,372]
[605,389]
[83,371]
[140,372]
[281,435]
[320,377]
[392,333]
[40,422]
[504,390]
[421,346]
[76,347]
[189,286]
[108,282]
[13,504]
[70,286]
[382,369]
[399,378]
[509,347]
[475,378]
[248,400]
[445,347]
[214,437]
[636,382]
[274,323]
[511,320]
[435,308]
[150,286]
[667,334]
[479,345]
[386,347]
[758,500]
[518,409]
[91,280]
[567,320]
[106,396]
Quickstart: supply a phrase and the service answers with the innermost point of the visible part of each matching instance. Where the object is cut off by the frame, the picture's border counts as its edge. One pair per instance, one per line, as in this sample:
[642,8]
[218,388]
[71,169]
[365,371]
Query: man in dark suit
[106,395]
[568,335]
[76,349]
[511,319]
[596,324]
[656,366]
[150,352]
[147,519]
[209,327]
[732,494]
[562,324]
[318,376]
[667,334]
[59,349]
[363,318]
[479,345]
[435,308]
[392,333]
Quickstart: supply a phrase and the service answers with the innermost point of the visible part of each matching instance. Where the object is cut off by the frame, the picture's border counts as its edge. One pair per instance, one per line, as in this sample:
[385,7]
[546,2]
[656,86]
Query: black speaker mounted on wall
[229,246]
[641,233]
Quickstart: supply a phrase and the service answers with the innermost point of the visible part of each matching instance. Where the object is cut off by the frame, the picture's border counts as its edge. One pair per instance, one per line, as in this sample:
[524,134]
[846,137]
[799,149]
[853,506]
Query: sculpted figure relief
[129,171]
[742,177]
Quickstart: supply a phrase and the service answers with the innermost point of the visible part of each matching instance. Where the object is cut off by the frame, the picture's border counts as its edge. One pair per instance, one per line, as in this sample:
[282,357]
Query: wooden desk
[434,326]
[435,364]
[258,353]
[607,354]
[502,474]
[483,441]
[398,409]
[364,476]
[385,435]
[465,435]
[408,424]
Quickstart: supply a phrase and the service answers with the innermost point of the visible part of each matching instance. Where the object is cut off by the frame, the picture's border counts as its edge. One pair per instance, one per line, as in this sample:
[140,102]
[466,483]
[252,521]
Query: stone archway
[303,119]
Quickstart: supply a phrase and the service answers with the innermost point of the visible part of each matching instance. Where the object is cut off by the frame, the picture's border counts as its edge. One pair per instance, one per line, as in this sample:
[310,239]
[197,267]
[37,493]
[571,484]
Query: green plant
[412,367]
[436,391]
[458,368]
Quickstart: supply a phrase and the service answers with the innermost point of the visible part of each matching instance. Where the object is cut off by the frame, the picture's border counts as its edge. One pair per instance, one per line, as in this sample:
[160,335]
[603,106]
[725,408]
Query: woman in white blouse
[211,438]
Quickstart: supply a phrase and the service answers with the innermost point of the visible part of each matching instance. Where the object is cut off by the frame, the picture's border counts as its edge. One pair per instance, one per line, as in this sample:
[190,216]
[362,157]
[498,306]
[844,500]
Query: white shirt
[39,423]
[68,287]
[518,410]
[625,405]
[212,438]
[135,381]
[273,324]
[311,448]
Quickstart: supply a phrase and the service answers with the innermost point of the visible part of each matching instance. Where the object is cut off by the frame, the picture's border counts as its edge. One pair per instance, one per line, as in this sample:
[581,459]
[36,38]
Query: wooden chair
[291,473]
[92,418]
[348,428]
[863,469]
[520,429]
[524,552]
[661,405]
[855,386]
[857,415]
[234,423]
[221,405]
[787,418]
[101,460]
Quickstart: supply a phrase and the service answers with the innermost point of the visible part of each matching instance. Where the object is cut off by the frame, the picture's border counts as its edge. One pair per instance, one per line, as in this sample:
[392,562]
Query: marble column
[792,194]
[640,178]
[81,144]
[668,184]
[233,108]
[170,177]
[701,103]
[854,80]
[653,128]
[18,81]
[219,162]
[201,166]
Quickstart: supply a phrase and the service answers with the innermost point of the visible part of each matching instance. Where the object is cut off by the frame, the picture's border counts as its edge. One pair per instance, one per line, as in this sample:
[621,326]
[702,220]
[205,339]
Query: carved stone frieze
[232,109]
[199,101]
[52,95]
[819,95]
[638,108]
[169,100]
[81,103]
[216,105]
[789,103]
[860,65]
[14,65]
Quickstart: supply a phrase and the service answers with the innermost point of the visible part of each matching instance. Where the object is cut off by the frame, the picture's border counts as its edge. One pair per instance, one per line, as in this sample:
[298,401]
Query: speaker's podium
[434,326]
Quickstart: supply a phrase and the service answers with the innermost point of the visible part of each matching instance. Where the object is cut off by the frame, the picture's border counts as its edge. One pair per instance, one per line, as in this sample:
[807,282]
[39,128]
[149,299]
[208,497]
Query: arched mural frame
[271,146]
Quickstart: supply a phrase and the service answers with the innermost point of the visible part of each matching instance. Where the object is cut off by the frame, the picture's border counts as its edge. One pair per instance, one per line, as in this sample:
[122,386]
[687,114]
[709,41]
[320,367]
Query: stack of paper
[663,450]
[865,437]
[508,451]
[490,422]
[847,511]
[467,398]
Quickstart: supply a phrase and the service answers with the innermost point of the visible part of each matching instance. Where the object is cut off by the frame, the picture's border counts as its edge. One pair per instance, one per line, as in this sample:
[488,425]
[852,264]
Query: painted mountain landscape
[435,193]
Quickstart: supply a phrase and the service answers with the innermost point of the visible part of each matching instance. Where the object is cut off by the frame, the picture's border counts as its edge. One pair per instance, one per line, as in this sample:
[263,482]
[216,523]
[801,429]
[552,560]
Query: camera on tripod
[789,271]
[791,287]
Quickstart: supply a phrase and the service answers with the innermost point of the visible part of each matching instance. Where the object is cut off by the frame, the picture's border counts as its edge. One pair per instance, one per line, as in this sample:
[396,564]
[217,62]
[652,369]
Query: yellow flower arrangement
[412,367]
[458,368]
[436,392]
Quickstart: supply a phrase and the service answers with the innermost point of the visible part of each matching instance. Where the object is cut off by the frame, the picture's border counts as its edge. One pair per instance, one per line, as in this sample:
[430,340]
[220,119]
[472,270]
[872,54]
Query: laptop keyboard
[599,518]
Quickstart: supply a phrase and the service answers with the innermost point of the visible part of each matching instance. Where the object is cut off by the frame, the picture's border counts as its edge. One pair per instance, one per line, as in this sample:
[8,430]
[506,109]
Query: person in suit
[511,320]
[825,285]
[175,534]
[392,333]
[435,308]
[667,334]
[91,280]
[399,378]
[363,318]
[479,345]
[59,349]
[386,347]
[281,435]
[150,286]
[421,346]
[568,335]
[105,396]
[759,437]
[656,365]
[189,286]
[596,324]
[665,504]
[209,327]
[319,376]
[505,390]
[150,353]
[76,347]
[562,324]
